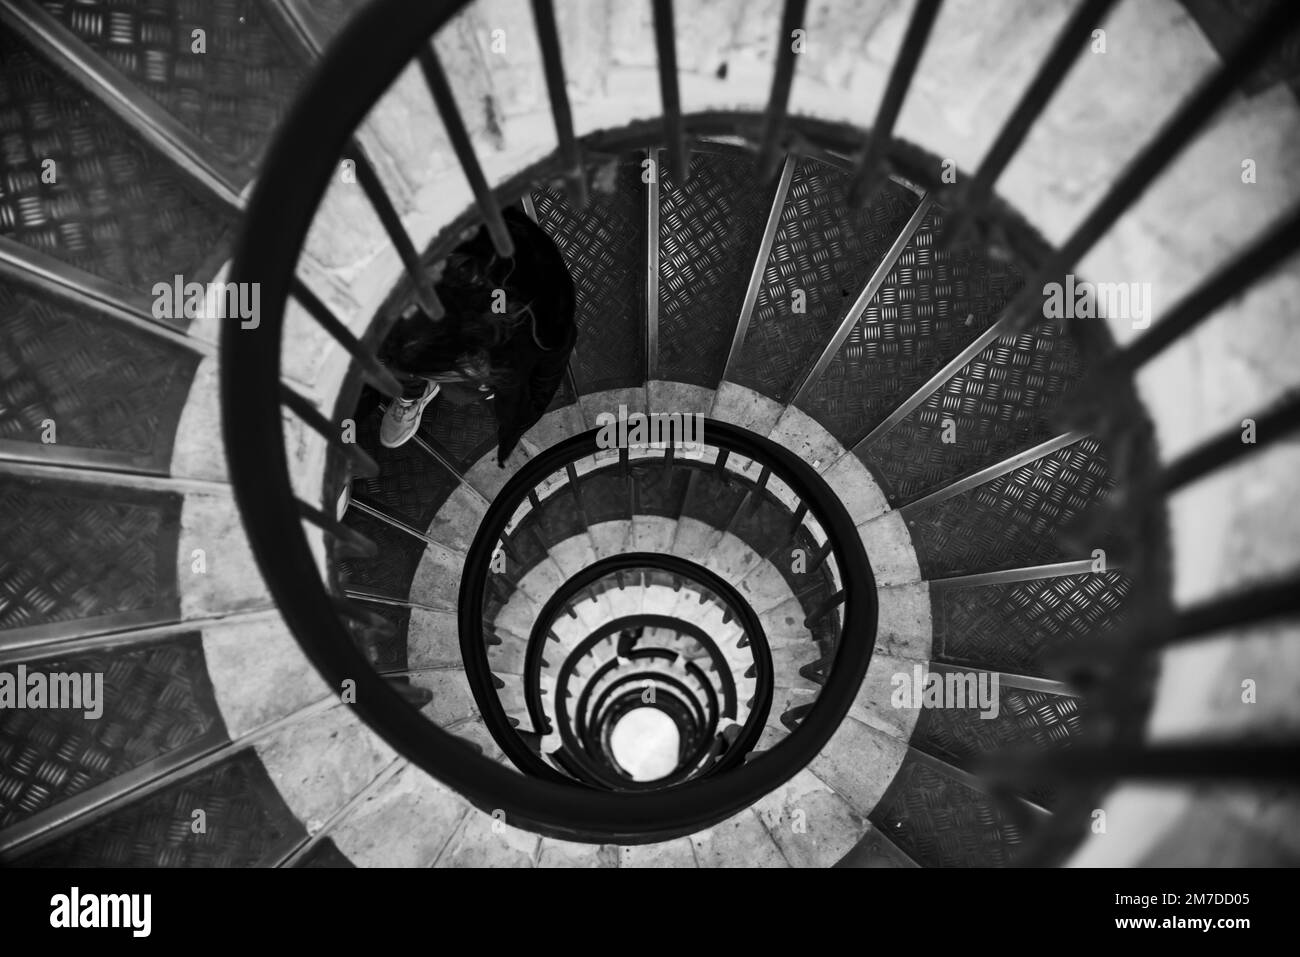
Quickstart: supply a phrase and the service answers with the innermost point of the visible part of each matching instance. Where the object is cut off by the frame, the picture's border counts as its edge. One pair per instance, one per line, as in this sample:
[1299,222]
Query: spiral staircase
[905,468]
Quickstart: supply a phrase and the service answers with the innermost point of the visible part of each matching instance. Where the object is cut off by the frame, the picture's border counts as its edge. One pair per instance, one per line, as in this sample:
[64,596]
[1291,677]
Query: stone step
[1063,169]
[407,822]
[318,765]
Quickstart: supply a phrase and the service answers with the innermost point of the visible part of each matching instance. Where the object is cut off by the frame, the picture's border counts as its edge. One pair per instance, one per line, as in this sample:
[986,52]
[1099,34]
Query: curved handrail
[727,708]
[725,678]
[606,567]
[708,727]
[297,170]
[284,200]
[762,492]
[630,701]
[502,513]
[706,714]
[741,785]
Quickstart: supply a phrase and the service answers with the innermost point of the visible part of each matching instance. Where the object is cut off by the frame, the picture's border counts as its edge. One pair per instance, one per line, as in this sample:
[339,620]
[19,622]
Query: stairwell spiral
[981,548]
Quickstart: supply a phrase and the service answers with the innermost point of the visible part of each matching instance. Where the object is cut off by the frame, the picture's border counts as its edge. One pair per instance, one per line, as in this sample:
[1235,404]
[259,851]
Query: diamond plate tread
[389,573]
[710,230]
[462,434]
[248,825]
[604,246]
[712,500]
[1010,627]
[930,307]
[604,496]
[325,853]
[999,404]
[155,700]
[116,208]
[232,96]
[659,491]
[531,549]
[390,653]
[411,485]
[105,386]
[939,822]
[1012,521]
[828,250]
[556,519]
[385,654]
[875,850]
[1025,719]
[77,551]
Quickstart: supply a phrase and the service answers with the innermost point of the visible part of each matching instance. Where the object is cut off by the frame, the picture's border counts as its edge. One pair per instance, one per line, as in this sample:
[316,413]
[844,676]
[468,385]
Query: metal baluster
[445,101]
[374,371]
[891,104]
[548,39]
[361,464]
[352,543]
[1174,136]
[1087,16]
[778,101]
[666,45]
[397,235]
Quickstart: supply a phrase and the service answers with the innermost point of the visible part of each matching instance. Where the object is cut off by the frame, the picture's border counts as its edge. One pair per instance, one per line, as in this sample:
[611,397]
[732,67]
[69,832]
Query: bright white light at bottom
[645,742]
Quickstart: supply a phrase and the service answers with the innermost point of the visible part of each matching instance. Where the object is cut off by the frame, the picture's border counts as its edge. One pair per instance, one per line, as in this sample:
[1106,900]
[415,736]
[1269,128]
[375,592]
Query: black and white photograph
[650,435]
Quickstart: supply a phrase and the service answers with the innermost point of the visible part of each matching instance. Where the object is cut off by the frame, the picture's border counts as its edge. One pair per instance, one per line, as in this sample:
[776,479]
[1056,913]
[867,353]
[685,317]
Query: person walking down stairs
[506,337]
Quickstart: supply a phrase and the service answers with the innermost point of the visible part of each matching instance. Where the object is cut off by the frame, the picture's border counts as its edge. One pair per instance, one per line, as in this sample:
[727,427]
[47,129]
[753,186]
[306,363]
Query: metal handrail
[319,129]
[542,628]
[858,619]
[726,681]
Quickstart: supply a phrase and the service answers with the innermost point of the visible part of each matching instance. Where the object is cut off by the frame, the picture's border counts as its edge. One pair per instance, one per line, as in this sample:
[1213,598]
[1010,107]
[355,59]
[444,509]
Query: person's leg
[403,416]
[413,386]
[401,353]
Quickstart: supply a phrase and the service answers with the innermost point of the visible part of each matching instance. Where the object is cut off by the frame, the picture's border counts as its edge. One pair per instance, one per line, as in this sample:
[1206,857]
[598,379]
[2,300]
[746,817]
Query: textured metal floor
[85,556]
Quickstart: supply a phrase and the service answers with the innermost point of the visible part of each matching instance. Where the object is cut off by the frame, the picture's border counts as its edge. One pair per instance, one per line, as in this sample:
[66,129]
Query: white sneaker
[403,416]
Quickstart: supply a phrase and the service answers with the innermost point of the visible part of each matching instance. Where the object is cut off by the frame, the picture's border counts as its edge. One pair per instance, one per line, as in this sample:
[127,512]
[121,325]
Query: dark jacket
[533,358]
[538,353]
